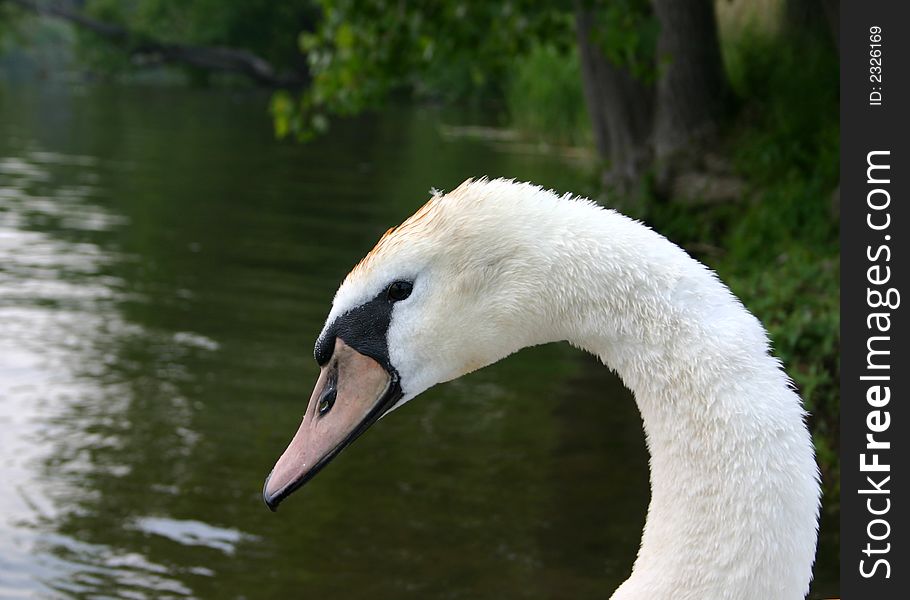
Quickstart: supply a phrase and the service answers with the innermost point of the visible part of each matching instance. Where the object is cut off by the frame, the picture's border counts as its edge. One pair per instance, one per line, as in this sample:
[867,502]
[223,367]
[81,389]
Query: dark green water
[165,266]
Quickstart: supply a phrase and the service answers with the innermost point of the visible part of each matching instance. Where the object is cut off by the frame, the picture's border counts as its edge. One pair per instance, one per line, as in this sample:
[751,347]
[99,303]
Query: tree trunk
[620,108]
[692,90]
[812,18]
[832,12]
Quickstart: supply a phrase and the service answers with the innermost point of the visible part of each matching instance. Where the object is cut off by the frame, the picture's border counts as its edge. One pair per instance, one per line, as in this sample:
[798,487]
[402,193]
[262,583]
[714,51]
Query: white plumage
[498,266]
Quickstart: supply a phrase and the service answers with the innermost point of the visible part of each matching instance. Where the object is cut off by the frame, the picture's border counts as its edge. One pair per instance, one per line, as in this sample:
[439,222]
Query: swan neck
[734,485]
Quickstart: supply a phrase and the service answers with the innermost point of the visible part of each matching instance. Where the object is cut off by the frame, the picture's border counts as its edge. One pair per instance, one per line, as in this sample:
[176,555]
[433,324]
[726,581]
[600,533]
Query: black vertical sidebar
[875,60]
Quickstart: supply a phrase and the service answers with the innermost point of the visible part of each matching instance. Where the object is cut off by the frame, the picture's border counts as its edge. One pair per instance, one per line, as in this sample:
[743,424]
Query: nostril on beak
[327,400]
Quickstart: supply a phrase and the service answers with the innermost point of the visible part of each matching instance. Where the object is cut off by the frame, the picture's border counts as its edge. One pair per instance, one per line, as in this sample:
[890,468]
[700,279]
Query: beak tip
[271,500]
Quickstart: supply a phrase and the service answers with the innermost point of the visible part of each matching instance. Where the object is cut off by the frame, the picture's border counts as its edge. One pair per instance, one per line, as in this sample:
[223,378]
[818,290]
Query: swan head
[457,286]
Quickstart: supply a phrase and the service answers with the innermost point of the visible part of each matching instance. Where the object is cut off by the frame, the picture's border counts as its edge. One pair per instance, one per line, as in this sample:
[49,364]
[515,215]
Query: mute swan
[496,266]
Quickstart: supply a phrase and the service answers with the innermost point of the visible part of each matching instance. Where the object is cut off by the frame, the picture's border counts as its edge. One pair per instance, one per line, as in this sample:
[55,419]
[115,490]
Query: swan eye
[399,290]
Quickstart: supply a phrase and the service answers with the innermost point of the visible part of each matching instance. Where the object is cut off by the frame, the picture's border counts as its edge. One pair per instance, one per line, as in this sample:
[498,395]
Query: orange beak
[352,392]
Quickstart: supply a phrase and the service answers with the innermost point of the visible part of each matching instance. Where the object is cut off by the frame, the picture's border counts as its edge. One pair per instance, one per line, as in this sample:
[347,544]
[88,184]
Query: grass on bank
[544,97]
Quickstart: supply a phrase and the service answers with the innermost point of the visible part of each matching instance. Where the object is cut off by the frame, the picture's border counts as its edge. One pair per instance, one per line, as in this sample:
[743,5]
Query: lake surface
[165,266]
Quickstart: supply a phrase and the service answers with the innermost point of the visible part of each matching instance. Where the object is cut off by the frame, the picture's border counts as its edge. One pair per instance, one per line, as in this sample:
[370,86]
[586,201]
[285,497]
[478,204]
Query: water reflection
[164,268]
[61,416]
[193,533]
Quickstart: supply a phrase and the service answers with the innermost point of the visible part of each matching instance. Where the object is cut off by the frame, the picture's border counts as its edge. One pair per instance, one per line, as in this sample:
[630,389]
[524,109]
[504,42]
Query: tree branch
[146,51]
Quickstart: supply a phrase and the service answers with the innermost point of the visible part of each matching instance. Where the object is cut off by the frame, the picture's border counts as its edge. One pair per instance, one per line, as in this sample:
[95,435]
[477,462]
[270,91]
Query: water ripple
[193,533]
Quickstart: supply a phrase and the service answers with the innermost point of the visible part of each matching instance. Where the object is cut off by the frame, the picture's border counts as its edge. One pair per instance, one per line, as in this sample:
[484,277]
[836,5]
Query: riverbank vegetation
[717,123]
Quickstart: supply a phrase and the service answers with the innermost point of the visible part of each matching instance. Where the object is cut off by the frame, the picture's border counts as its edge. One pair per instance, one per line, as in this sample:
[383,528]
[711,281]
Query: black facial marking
[365,329]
